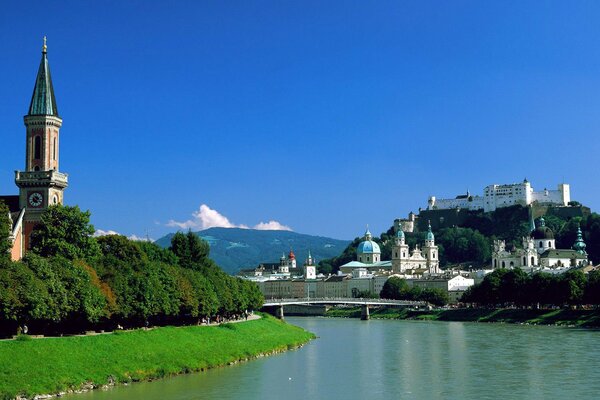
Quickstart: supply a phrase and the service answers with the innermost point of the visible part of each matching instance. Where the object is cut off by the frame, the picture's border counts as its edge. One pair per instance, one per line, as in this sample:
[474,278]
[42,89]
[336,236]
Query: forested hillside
[471,244]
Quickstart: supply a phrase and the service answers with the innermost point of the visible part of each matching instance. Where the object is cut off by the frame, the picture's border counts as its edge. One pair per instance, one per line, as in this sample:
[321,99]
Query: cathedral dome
[368,247]
[542,231]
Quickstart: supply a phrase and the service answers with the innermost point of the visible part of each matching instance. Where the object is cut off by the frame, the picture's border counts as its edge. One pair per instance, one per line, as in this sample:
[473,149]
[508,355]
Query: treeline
[396,288]
[71,281]
[505,287]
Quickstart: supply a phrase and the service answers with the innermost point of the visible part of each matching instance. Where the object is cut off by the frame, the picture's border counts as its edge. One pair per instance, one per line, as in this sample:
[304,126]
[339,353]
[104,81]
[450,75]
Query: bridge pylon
[279,312]
[364,312]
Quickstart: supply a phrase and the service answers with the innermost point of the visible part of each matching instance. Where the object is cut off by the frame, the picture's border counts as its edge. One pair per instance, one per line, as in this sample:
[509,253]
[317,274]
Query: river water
[378,359]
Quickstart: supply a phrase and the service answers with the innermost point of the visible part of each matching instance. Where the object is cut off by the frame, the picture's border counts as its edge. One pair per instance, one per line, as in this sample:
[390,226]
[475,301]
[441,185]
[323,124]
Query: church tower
[40,184]
[400,253]
[310,270]
[431,252]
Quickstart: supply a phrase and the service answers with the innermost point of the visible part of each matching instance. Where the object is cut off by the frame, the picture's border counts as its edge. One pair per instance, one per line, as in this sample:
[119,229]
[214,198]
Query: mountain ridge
[236,248]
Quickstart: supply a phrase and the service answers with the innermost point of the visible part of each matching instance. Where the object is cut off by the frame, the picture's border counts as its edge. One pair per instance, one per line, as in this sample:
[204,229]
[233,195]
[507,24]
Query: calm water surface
[355,359]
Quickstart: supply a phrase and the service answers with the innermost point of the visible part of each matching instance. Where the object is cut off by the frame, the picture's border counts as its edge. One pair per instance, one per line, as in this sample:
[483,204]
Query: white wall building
[498,196]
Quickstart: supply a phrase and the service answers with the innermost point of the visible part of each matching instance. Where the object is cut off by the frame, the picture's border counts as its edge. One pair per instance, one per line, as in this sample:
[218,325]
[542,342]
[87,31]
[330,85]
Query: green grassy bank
[582,318]
[52,365]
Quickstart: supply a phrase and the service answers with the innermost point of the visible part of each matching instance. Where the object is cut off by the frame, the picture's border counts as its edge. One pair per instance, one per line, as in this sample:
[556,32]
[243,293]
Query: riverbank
[566,317]
[55,365]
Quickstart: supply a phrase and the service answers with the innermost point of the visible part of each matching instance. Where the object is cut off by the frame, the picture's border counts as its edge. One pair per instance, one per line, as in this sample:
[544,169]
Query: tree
[5,228]
[65,231]
[190,249]
[436,296]
[395,288]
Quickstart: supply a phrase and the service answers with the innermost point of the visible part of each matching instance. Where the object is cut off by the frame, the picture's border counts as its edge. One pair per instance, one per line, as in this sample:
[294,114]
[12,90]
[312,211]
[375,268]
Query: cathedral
[417,262]
[40,183]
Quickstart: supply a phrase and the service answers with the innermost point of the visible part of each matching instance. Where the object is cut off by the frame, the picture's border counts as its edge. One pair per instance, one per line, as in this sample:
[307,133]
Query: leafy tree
[5,228]
[65,231]
[190,249]
[436,296]
[395,288]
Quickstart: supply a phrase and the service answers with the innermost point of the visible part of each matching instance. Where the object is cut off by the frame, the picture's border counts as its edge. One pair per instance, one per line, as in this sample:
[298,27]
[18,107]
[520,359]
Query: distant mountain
[234,248]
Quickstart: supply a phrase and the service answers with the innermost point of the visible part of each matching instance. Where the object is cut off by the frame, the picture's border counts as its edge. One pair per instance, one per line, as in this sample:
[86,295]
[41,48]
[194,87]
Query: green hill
[234,248]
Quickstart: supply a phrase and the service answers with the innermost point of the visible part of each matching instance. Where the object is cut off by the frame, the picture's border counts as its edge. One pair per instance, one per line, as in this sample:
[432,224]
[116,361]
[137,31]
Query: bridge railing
[340,300]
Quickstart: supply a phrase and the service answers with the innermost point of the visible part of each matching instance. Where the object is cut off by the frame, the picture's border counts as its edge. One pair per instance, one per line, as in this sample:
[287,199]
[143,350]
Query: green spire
[43,101]
[579,245]
[429,232]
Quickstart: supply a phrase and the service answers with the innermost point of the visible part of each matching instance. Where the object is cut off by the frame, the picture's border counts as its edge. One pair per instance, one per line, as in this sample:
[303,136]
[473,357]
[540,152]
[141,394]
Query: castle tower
[310,271]
[40,184]
[400,253]
[430,251]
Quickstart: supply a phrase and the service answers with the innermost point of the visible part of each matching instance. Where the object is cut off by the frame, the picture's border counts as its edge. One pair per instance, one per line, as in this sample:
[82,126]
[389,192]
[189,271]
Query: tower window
[37,148]
[54,153]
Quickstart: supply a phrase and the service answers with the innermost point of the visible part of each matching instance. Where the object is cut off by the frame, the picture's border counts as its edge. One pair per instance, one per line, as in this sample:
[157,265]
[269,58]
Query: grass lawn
[51,365]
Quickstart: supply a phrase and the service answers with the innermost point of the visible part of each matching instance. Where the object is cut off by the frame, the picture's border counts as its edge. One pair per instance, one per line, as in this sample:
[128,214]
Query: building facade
[506,195]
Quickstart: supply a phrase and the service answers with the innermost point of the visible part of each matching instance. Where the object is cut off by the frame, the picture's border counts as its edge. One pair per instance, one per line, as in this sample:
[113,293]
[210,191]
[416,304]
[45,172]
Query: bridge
[365,303]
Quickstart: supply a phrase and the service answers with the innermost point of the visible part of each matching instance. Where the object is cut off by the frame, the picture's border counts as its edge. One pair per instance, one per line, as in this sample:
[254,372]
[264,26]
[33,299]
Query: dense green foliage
[235,248]
[72,281]
[4,230]
[51,365]
[398,289]
[515,287]
[65,232]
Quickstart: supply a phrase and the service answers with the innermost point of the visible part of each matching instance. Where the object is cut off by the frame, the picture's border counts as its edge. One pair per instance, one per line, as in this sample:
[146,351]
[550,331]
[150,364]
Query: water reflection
[401,360]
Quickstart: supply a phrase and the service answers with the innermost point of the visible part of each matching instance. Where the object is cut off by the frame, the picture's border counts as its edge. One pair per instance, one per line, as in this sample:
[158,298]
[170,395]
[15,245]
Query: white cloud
[272,226]
[140,239]
[100,232]
[205,217]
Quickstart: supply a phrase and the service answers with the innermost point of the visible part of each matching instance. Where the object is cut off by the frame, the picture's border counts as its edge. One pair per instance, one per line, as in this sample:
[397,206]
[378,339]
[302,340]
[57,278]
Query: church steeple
[43,101]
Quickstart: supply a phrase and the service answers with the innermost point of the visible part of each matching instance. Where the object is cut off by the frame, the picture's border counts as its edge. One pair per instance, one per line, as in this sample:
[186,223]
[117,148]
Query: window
[503,264]
[532,260]
[541,245]
[549,244]
[37,148]
[54,153]
[524,260]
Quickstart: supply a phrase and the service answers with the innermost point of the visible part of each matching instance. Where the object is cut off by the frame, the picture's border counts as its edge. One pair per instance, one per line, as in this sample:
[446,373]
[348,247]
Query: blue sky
[323,116]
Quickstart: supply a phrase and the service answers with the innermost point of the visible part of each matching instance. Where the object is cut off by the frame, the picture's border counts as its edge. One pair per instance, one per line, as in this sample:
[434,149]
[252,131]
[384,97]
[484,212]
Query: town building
[506,195]
[455,286]
[40,183]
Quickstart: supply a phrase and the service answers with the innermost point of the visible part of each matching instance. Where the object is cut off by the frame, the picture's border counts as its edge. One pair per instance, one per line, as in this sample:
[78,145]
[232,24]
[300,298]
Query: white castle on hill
[498,196]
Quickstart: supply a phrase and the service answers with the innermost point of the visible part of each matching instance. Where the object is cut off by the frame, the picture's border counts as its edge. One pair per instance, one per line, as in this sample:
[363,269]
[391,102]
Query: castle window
[37,148]
[503,264]
[532,261]
[541,245]
[495,263]
[524,260]
[550,244]
[396,256]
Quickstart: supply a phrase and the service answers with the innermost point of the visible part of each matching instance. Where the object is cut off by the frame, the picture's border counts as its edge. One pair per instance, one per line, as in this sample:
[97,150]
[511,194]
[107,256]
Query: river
[379,359]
